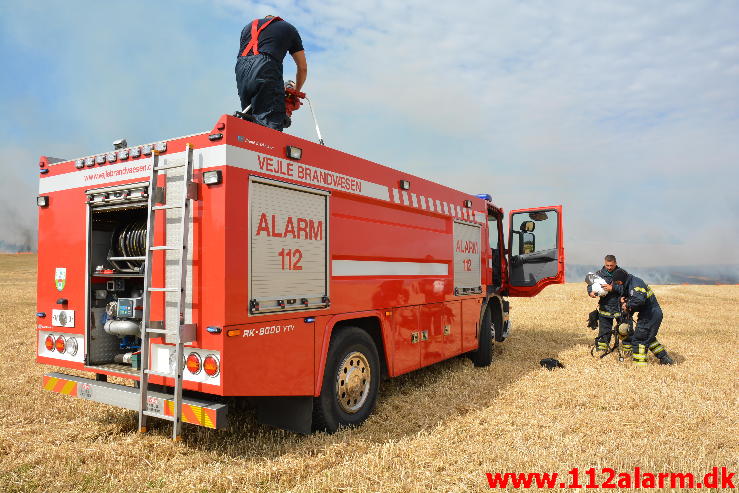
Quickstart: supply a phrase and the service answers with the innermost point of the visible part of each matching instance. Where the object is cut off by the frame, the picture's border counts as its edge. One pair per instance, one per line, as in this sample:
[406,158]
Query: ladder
[172,328]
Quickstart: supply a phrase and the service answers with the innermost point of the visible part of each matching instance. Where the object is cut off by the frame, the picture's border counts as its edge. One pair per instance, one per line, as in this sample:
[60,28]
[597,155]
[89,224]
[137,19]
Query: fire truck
[243,262]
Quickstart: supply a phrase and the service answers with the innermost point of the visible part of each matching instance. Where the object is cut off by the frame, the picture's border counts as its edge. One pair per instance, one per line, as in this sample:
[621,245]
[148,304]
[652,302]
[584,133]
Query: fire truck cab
[301,274]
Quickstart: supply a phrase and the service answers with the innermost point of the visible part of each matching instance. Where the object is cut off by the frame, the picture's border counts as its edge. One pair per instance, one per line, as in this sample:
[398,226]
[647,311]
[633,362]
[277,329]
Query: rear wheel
[483,356]
[350,381]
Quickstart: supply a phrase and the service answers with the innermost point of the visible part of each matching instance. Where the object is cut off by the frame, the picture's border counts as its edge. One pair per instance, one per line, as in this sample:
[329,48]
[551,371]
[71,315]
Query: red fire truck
[248,262]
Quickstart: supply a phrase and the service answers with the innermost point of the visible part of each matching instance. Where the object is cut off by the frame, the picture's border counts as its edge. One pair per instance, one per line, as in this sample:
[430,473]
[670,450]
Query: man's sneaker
[666,360]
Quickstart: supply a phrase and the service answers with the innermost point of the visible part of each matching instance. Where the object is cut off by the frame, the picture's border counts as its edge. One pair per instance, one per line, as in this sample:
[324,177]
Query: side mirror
[528,226]
[538,216]
[528,242]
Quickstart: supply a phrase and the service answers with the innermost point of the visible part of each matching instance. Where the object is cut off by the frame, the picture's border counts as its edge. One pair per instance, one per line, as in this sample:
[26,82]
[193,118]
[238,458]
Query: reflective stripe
[647,291]
[640,363]
[60,385]
[609,314]
[658,349]
[627,347]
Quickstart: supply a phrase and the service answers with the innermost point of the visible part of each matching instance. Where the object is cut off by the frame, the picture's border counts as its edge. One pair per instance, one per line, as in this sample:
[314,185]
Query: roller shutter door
[288,231]
[467,274]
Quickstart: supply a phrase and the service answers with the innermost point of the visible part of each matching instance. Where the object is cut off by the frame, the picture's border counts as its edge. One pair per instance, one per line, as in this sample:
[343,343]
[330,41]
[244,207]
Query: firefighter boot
[639,355]
[661,353]
[626,349]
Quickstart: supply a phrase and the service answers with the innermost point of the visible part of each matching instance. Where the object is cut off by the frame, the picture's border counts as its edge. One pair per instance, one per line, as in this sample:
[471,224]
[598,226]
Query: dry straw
[439,429]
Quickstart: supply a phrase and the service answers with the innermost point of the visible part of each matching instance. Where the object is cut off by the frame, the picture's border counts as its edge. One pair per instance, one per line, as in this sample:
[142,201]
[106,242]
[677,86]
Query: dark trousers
[647,326]
[259,82]
[605,325]
[645,335]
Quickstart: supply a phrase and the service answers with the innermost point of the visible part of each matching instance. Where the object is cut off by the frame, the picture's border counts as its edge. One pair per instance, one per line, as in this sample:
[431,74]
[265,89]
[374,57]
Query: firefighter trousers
[605,326]
[259,83]
[645,335]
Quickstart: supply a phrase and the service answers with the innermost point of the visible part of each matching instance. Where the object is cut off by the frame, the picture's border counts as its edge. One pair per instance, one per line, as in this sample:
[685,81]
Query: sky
[625,112]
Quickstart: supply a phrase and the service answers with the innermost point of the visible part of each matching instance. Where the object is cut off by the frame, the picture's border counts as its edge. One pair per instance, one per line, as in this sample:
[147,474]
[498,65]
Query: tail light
[49,343]
[193,363]
[60,345]
[211,366]
[72,346]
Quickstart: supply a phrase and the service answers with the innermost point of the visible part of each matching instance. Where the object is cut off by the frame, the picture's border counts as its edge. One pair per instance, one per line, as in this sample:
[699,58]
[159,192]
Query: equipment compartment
[117,249]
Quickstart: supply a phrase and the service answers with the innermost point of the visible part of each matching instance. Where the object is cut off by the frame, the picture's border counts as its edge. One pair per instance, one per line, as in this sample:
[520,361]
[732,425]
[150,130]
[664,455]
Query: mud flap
[288,413]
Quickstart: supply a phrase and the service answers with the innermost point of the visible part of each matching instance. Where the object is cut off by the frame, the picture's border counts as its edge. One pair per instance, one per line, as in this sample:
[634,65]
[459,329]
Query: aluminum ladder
[174,331]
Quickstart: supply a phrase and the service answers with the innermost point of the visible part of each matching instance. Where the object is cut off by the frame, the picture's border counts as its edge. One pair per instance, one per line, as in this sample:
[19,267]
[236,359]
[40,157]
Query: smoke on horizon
[690,274]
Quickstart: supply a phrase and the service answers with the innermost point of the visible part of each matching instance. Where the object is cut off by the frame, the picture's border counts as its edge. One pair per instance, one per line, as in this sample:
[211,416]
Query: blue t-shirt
[276,40]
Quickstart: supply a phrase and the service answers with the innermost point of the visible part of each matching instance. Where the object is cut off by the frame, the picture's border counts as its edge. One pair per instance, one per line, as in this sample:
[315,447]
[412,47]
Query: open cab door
[536,255]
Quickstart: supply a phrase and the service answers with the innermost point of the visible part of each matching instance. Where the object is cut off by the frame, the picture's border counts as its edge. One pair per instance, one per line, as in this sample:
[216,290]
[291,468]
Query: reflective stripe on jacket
[638,294]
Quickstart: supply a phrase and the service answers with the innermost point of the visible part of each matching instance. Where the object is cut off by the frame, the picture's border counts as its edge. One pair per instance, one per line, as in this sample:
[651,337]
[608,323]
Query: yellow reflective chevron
[60,385]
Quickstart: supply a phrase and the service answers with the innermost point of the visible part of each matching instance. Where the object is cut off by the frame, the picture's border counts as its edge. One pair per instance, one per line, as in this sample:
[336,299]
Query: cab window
[494,229]
[533,243]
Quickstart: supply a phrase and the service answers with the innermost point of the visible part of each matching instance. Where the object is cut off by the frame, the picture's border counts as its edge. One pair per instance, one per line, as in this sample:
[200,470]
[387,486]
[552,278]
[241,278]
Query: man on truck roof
[259,79]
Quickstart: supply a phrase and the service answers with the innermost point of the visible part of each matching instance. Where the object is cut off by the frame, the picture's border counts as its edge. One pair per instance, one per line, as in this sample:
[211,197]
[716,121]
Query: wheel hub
[353,382]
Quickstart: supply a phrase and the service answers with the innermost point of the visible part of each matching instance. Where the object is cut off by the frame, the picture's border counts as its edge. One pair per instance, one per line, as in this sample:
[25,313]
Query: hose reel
[129,240]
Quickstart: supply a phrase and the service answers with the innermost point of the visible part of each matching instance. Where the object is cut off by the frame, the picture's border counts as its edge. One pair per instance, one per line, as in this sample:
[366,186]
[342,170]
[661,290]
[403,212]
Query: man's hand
[592,295]
[624,307]
[607,287]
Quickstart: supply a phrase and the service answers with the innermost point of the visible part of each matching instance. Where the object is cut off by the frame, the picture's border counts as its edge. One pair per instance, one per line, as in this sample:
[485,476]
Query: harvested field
[439,429]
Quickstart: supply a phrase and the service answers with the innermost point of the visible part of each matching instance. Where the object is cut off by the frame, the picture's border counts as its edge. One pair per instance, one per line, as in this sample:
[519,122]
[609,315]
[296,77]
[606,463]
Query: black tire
[352,353]
[483,356]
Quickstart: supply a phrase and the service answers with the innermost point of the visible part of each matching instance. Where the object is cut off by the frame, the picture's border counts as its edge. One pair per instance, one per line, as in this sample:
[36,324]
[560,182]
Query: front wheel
[483,356]
[350,381]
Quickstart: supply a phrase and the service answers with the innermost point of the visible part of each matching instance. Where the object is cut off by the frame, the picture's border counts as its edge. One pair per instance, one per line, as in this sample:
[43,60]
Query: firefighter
[259,79]
[638,297]
[608,305]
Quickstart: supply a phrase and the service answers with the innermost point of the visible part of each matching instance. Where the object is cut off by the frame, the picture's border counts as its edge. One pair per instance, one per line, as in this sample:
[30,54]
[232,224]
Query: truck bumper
[194,411]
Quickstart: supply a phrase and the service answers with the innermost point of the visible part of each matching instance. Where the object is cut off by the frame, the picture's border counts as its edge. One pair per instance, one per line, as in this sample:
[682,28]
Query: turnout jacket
[608,305]
[638,294]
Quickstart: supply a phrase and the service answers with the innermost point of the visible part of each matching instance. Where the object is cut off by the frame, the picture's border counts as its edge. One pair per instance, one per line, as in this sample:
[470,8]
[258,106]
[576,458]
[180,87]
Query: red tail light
[211,366]
[193,363]
[60,345]
[49,343]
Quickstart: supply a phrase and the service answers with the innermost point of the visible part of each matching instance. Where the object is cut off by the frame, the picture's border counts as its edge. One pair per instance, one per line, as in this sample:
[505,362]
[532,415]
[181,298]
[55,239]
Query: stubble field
[438,429]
